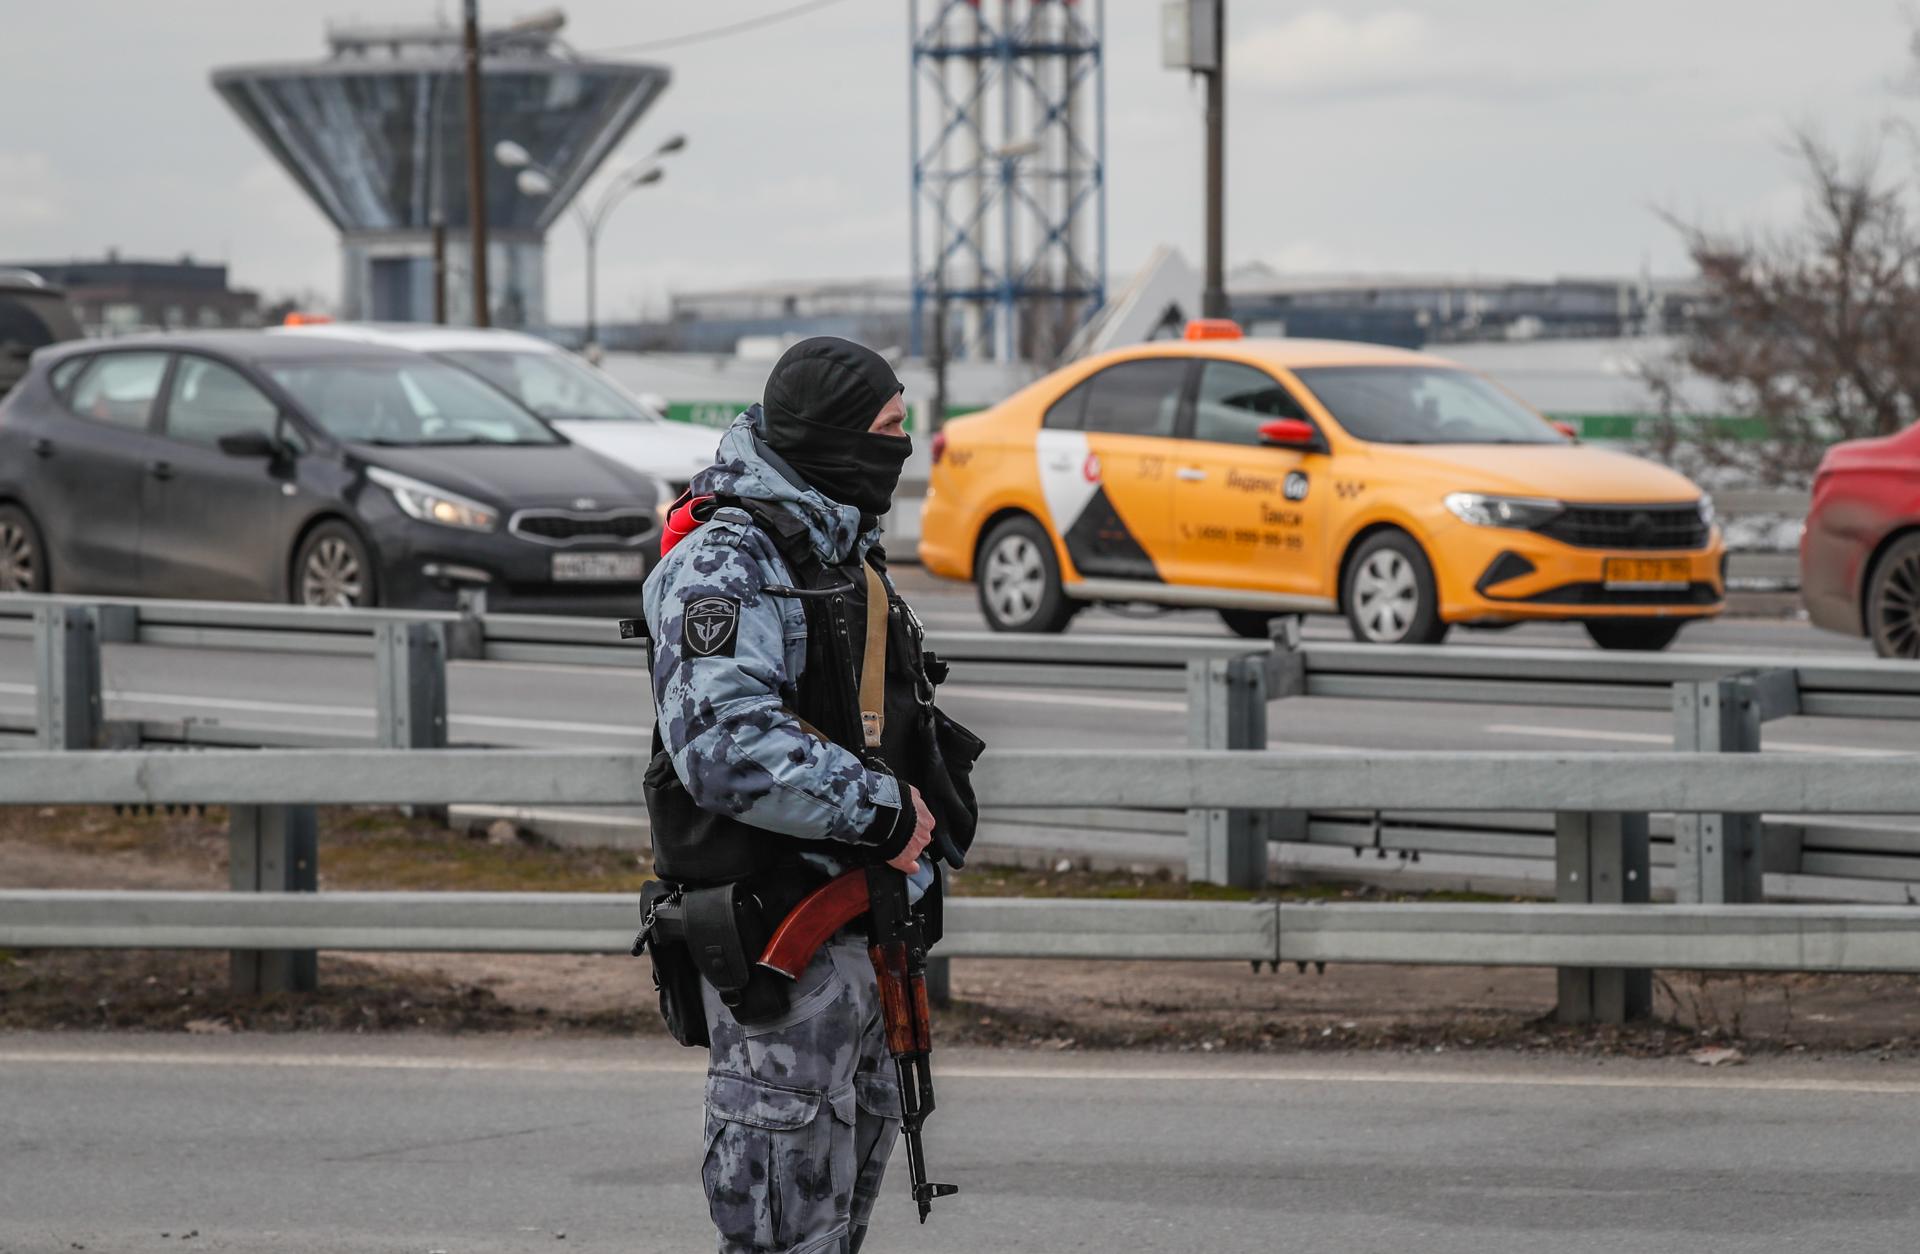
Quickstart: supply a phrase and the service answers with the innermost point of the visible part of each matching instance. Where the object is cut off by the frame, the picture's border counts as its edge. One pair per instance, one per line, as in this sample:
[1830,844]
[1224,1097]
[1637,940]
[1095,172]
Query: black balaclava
[822,397]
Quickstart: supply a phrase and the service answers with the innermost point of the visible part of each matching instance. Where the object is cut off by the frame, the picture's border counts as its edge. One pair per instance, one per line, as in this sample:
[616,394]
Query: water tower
[375,134]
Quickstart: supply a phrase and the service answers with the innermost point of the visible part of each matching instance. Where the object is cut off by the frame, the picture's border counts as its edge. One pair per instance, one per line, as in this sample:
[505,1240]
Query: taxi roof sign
[296,318]
[1213,329]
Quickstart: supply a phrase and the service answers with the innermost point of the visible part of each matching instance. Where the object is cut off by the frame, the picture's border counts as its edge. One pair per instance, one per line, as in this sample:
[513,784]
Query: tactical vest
[919,744]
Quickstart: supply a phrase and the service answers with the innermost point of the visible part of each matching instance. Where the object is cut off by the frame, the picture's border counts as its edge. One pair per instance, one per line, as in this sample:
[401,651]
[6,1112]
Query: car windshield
[1424,405]
[413,402]
[553,385]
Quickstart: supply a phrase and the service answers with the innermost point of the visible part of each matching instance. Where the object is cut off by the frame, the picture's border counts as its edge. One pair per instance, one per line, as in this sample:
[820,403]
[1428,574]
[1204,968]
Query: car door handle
[1191,474]
[42,447]
[160,470]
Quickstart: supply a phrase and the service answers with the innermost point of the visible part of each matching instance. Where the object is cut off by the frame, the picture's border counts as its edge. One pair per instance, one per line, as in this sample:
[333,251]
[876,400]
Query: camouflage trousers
[802,1112]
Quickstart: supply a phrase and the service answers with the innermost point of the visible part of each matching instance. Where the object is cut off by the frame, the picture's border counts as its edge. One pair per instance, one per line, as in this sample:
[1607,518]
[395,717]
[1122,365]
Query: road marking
[1060,698]
[1727,1081]
[1657,738]
[545,724]
[638,666]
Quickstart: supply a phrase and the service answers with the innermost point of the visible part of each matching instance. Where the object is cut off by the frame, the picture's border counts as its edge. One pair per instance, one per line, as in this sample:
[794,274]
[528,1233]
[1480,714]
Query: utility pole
[937,417]
[439,268]
[476,167]
[1193,37]
[1213,301]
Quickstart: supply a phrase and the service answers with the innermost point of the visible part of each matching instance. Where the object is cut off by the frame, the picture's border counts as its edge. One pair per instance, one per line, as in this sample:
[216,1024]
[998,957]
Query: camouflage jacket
[728,657]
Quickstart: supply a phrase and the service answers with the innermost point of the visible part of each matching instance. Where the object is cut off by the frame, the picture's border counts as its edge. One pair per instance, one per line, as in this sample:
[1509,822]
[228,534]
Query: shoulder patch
[710,627]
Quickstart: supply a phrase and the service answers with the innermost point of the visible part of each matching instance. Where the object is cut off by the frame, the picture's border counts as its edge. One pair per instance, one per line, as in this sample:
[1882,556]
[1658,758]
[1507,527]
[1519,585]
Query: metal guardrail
[1040,779]
[1872,688]
[1728,938]
[1718,701]
[1600,925]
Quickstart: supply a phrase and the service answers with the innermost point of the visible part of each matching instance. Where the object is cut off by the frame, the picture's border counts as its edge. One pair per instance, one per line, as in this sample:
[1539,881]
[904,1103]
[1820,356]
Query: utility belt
[718,934]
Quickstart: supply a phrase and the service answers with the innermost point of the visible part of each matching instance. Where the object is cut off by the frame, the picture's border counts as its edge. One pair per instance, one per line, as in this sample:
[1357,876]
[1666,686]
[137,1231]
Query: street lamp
[535,179]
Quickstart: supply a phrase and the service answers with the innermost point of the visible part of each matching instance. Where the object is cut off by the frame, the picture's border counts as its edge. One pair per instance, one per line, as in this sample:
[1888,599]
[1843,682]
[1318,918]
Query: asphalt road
[309,1145]
[555,706]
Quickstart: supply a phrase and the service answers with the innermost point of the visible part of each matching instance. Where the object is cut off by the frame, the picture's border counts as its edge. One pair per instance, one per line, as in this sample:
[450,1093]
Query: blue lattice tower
[1009,142]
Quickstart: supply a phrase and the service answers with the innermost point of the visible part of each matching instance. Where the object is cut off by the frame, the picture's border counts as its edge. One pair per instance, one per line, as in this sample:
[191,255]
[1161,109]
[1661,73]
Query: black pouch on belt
[727,928]
[675,978]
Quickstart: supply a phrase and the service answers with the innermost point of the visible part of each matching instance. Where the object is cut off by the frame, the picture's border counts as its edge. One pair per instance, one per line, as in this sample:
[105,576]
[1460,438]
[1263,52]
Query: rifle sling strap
[873,668]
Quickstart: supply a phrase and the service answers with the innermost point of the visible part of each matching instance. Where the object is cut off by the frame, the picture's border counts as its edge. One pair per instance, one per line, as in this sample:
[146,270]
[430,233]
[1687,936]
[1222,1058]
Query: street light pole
[476,166]
[536,180]
[1213,301]
[593,270]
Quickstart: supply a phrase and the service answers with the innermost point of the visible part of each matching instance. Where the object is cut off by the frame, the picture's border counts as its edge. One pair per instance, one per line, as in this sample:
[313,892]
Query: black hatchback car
[238,465]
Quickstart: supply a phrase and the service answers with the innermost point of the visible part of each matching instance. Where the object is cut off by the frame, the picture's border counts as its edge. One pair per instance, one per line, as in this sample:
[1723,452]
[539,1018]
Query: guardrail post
[940,981]
[1603,858]
[1716,857]
[273,849]
[410,668]
[66,656]
[1227,709]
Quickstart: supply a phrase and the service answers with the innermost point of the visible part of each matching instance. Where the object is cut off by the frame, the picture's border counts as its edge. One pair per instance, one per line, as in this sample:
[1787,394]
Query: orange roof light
[1213,329]
[298,319]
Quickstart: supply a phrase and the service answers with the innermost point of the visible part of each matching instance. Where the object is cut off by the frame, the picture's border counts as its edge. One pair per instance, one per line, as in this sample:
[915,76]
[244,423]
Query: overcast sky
[1527,137]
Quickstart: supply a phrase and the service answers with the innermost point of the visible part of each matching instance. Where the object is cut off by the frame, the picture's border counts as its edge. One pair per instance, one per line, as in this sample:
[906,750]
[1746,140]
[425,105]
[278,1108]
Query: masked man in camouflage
[748,614]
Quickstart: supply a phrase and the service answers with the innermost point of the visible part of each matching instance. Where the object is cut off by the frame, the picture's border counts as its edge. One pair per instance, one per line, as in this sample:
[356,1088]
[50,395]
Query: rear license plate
[1647,572]
[599,567]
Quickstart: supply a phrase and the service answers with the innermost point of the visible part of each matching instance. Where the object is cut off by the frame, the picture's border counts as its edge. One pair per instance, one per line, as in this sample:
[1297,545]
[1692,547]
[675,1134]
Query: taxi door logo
[1295,488]
[712,626]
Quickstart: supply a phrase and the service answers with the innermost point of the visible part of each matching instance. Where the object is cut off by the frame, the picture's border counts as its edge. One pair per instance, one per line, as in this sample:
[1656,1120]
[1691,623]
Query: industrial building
[375,134]
[1416,310]
[121,296]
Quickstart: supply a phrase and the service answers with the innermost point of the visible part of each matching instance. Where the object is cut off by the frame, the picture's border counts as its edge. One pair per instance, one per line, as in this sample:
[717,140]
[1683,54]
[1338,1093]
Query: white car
[583,403]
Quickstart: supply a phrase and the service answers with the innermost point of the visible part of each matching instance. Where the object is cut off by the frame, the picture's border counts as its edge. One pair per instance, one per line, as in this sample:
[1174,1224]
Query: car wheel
[1019,581]
[23,559]
[332,569]
[1893,600]
[1253,624]
[1391,596]
[1640,635]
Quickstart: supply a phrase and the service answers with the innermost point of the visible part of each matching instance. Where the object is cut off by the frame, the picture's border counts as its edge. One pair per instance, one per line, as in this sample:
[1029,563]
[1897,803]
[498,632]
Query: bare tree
[1813,332]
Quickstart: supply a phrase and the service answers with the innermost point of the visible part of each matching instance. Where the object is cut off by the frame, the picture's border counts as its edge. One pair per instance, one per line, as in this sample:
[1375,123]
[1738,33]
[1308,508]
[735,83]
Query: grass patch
[425,857]
[384,848]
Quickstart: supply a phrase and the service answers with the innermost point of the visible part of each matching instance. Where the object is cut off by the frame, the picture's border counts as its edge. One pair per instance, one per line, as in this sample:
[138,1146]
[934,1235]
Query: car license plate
[1647,572]
[599,567]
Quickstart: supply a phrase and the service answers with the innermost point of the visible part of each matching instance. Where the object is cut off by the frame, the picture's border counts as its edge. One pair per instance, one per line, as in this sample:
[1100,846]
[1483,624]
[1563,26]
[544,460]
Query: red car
[1860,553]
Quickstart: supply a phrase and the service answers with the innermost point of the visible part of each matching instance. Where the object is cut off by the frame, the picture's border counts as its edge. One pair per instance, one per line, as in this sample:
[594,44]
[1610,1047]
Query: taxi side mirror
[1290,433]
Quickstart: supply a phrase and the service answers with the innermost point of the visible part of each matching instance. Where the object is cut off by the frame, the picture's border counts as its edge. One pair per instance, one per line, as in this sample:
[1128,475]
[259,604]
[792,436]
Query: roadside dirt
[1161,1006]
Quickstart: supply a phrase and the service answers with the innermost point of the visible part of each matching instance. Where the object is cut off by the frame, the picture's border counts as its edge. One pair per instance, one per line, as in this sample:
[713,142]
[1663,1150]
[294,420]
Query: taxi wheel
[1641,635]
[1253,624]
[1893,600]
[1390,593]
[1019,580]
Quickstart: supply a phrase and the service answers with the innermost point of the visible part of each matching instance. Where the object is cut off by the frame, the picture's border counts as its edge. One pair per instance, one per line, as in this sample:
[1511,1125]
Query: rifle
[899,956]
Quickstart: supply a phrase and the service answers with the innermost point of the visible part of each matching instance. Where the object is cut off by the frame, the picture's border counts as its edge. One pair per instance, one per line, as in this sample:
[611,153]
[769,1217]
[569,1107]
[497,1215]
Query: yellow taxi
[1260,477]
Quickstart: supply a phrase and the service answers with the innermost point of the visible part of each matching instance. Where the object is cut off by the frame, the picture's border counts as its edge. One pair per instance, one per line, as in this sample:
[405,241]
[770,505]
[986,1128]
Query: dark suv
[32,315]
[238,465]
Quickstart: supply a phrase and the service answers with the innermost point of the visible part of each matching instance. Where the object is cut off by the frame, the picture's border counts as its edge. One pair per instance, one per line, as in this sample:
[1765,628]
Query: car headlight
[434,505]
[1706,510]
[1501,511]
